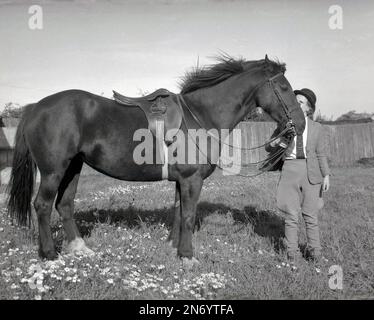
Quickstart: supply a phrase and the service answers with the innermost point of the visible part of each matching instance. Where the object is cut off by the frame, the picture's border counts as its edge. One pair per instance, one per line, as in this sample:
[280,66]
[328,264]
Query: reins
[277,156]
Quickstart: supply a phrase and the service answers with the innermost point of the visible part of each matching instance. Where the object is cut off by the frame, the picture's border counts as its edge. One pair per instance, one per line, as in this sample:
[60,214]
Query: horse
[66,129]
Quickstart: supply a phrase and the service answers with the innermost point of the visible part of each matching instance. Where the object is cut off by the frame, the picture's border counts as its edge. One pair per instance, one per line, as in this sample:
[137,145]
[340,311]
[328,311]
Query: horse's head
[276,97]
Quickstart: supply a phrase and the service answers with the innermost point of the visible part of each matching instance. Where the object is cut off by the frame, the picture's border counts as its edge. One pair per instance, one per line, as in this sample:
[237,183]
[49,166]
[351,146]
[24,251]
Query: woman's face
[304,104]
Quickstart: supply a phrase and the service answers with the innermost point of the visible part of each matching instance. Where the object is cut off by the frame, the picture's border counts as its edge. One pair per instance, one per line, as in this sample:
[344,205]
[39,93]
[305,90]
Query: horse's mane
[226,67]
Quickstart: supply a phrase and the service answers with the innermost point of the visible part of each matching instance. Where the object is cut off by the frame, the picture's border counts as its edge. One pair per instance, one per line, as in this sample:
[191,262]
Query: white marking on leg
[78,246]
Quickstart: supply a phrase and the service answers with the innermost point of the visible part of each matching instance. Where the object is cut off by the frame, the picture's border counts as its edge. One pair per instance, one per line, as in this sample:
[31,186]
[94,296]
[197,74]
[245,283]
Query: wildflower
[41,289]
[105,270]
[260,252]
[35,268]
[38,297]
[31,283]
[110,281]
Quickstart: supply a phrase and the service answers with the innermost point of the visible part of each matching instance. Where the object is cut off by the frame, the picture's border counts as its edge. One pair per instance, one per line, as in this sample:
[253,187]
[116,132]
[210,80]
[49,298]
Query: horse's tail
[21,184]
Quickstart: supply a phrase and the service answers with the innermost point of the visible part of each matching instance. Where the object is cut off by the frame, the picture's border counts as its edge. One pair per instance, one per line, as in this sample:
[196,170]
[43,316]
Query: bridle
[289,128]
[279,96]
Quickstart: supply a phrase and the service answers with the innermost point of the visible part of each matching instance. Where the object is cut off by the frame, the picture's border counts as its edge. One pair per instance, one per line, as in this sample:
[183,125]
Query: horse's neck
[221,106]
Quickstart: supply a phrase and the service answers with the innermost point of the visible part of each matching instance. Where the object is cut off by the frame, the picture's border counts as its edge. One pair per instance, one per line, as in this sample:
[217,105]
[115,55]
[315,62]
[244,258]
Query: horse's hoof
[85,252]
[78,247]
[59,260]
[188,264]
[49,255]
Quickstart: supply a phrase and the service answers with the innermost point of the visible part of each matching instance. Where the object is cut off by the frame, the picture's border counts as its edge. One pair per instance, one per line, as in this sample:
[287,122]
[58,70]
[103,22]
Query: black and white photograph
[164,151]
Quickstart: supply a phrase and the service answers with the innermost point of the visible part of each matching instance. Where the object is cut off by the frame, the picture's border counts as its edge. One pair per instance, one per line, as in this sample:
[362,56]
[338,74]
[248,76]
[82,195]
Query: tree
[318,117]
[12,110]
[353,115]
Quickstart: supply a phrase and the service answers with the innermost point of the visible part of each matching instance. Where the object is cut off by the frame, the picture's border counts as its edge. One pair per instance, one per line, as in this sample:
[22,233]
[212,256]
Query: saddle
[161,106]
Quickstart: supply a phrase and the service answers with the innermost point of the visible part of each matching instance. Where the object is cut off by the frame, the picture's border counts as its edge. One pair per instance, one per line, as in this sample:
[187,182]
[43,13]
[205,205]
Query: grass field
[238,242]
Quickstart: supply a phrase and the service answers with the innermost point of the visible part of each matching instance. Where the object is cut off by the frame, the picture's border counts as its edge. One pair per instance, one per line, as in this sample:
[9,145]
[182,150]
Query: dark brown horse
[62,131]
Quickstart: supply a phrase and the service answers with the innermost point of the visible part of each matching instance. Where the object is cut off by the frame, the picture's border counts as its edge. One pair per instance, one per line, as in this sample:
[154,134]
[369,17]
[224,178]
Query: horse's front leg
[190,189]
[173,238]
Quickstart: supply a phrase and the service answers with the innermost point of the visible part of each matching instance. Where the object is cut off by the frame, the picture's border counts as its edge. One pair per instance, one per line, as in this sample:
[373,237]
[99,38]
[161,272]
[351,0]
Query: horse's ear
[266,59]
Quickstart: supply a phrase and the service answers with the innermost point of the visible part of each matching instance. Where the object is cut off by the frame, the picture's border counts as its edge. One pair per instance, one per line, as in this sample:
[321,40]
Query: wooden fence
[345,143]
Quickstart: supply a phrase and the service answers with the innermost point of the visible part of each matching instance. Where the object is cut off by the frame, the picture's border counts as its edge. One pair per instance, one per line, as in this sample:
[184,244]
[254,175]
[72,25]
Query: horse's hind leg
[175,231]
[65,206]
[43,206]
[190,192]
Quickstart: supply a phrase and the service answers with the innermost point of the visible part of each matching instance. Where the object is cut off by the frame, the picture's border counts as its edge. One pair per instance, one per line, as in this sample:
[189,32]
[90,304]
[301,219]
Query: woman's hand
[326,183]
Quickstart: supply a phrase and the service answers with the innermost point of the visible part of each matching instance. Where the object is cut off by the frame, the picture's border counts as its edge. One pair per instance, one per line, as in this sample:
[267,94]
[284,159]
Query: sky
[135,47]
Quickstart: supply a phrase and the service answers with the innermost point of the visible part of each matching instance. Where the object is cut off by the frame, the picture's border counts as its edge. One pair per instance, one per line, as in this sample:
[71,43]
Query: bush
[12,110]
[366,162]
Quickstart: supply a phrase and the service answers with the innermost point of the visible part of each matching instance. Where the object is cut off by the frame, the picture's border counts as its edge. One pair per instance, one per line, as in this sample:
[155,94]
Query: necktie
[299,147]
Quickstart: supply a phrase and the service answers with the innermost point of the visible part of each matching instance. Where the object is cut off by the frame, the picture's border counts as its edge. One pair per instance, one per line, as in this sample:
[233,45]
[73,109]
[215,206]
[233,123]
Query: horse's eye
[283,87]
